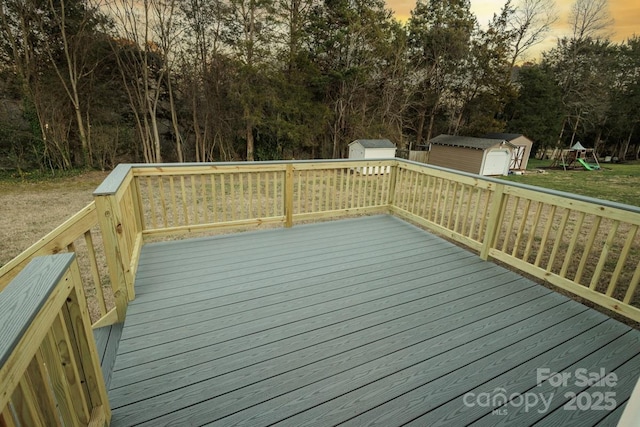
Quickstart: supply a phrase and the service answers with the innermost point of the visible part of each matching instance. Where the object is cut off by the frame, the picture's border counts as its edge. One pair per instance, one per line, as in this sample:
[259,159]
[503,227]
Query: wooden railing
[49,367]
[586,246]
[81,235]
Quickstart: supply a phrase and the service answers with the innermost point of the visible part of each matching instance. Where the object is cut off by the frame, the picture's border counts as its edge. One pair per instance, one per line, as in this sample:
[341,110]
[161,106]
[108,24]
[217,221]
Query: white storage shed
[366,149]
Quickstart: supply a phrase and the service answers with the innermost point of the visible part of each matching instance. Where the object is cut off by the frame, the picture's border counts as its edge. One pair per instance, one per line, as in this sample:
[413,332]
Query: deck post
[110,220]
[288,196]
[392,183]
[493,222]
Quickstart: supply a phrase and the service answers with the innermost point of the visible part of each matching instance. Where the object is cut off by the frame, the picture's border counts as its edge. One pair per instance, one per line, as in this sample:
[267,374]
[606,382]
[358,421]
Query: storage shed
[364,149]
[521,152]
[482,156]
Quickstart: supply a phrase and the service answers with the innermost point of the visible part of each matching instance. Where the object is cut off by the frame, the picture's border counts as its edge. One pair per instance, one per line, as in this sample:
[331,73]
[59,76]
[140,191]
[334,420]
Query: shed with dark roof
[483,156]
[521,152]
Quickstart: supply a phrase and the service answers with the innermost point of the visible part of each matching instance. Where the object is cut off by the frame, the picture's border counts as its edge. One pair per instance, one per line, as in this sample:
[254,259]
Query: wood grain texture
[367,320]
[23,298]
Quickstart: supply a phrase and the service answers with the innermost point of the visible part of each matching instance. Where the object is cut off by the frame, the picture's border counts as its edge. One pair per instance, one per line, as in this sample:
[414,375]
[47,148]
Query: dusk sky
[626,14]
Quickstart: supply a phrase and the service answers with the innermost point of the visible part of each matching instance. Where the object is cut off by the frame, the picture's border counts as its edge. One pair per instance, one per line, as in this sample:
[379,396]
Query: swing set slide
[588,166]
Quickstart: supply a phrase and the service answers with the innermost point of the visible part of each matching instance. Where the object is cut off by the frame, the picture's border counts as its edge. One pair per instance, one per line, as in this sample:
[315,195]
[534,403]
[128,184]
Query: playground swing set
[577,157]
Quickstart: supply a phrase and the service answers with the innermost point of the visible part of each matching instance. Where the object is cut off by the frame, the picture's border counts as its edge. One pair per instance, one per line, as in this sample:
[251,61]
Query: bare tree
[74,43]
[590,19]
[530,23]
[142,76]
[165,31]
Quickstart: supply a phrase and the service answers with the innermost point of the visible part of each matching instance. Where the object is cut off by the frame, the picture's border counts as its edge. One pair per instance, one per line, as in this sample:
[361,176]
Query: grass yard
[32,207]
[615,182]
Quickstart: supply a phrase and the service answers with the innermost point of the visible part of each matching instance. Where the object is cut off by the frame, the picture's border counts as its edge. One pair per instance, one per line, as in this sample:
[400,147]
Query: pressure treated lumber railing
[586,246]
[49,367]
[81,235]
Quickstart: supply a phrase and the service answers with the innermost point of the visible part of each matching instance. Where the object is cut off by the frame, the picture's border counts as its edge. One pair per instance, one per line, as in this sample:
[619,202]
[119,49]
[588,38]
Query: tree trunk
[421,119]
[564,123]
[174,120]
[249,139]
[575,130]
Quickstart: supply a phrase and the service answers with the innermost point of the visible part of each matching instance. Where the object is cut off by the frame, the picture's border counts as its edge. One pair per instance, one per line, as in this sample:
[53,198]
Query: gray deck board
[368,321]
[107,341]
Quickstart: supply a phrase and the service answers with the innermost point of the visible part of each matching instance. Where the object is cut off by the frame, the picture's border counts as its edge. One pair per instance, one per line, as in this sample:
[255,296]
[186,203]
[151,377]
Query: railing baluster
[545,235]
[194,200]
[223,197]
[523,223]
[568,256]
[152,203]
[214,199]
[174,206]
[532,232]
[347,190]
[459,209]
[414,196]
[427,196]
[474,226]
[6,417]
[54,366]
[205,202]
[608,244]
[185,211]
[587,249]
[36,374]
[24,404]
[622,259]
[258,195]
[452,208]
[95,273]
[163,204]
[633,285]
[333,191]
[439,197]
[72,366]
[507,233]
[558,239]
[275,191]
[243,198]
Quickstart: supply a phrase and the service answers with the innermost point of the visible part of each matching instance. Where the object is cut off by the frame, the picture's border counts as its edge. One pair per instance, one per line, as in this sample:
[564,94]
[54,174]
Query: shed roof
[374,143]
[468,142]
[503,136]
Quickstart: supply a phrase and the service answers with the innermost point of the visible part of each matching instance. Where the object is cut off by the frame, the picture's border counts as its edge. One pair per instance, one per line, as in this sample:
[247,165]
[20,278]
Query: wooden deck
[367,321]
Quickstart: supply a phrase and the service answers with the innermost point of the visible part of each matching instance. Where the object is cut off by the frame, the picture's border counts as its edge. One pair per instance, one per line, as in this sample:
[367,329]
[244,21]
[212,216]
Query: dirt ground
[29,210]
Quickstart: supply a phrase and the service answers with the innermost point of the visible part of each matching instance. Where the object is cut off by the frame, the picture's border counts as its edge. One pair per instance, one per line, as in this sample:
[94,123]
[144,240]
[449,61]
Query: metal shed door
[496,162]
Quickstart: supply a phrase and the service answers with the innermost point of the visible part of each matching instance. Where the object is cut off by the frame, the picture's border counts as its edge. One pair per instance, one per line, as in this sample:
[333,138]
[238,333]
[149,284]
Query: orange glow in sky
[625,13]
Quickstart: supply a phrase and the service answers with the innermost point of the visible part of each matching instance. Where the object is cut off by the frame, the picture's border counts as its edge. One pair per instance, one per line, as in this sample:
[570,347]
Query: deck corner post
[109,218]
[493,222]
[288,196]
[393,177]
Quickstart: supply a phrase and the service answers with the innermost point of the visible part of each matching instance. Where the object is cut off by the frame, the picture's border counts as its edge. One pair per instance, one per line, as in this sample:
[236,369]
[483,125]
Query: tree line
[100,82]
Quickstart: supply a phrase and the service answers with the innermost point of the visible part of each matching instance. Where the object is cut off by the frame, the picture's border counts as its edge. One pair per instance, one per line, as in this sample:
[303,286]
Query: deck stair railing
[585,246]
[49,367]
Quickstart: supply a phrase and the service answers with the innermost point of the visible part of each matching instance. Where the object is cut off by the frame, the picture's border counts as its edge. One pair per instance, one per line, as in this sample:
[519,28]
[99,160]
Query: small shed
[481,156]
[521,152]
[365,149]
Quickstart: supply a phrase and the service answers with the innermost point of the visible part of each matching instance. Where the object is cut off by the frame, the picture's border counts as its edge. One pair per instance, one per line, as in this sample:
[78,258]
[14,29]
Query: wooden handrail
[49,366]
